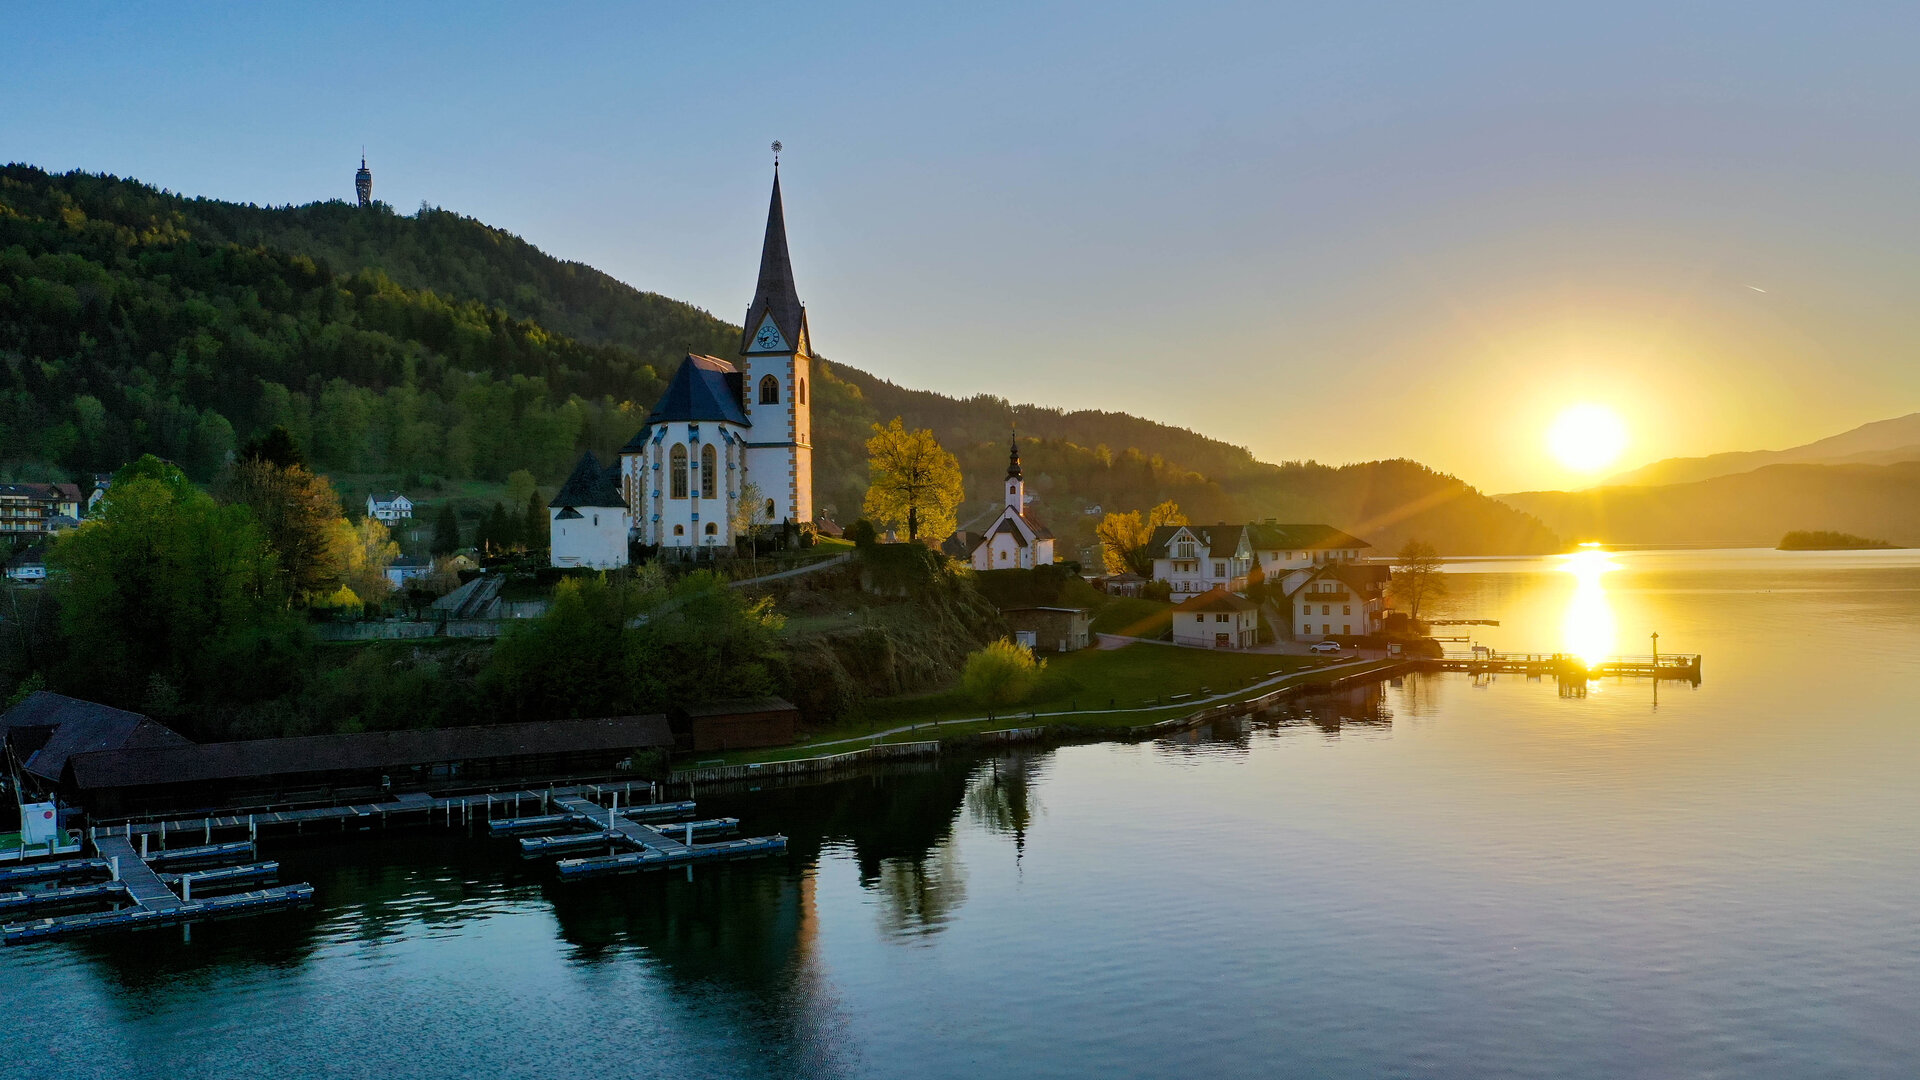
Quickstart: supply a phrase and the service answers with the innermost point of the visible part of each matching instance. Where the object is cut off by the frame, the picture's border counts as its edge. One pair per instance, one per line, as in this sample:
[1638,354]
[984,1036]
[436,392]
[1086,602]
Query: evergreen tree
[535,528]
[446,531]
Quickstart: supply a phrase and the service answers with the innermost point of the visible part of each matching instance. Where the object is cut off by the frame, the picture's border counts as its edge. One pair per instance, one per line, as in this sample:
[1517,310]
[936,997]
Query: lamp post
[1656,649]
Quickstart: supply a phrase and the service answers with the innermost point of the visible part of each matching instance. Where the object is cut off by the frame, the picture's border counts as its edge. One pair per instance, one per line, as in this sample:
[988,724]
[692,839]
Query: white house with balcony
[389,506]
[1217,619]
[1194,559]
[1334,599]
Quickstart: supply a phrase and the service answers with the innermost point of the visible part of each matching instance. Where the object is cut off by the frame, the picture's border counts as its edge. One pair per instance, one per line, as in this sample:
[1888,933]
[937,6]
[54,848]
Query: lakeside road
[935,727]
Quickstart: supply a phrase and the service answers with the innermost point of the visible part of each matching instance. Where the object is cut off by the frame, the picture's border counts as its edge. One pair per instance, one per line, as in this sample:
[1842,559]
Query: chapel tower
[1016,484]
[776,363]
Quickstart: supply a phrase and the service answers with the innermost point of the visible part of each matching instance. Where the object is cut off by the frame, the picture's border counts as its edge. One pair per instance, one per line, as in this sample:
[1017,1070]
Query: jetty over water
[1676,666]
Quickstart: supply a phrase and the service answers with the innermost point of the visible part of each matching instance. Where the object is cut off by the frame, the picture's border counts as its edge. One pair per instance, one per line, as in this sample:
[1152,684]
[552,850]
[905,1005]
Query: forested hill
[134,320]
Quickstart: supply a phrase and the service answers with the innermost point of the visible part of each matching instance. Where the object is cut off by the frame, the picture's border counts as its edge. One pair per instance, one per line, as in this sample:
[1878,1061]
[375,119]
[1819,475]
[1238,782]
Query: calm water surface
[1442,877]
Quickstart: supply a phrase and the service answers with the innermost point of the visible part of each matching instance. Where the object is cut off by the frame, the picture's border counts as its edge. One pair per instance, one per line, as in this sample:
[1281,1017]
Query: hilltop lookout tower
[363,183]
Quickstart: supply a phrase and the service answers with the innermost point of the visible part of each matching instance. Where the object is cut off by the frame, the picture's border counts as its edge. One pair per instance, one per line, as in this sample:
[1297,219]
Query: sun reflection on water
[1588,630]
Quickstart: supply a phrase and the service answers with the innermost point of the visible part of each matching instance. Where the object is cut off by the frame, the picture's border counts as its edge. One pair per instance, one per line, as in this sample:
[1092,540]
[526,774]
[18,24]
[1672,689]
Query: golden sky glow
[1587,437]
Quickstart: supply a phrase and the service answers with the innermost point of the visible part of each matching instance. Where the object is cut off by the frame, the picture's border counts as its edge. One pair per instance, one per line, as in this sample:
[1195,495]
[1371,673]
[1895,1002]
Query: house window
[679,530]
[769,391]
[1347,629]
[1325,629]
[1346,609]
[1326,609]
[1219,569]
[679,458]
[709,471]
[1199,618]
[803,391]
[1185,549]
[1219,618]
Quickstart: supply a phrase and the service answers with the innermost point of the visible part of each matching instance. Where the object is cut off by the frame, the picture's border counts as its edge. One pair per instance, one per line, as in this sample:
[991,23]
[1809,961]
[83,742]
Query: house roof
[386,497]
[409,562]
[264,758]
[774,294]
[1217,599]
[590,485]
[740,707]
[827,527]
[703,388]
[962,544]
[81,727]
[1367,579]
[33,556]
[1270,536]
[1217,538]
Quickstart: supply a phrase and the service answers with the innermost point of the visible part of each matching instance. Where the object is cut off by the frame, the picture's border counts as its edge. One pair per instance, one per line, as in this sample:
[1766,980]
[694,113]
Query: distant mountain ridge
[135,320]
[1747,509]
[1882,442]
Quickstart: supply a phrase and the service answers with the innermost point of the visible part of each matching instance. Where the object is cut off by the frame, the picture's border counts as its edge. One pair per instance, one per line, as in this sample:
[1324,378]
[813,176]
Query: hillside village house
[1015,540]
[389,506]
[681,482]
[1322,589]
[38,509]
[1217,619]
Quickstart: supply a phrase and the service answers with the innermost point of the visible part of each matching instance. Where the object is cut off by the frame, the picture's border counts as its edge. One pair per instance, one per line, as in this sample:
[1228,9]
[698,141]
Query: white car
[1326,646]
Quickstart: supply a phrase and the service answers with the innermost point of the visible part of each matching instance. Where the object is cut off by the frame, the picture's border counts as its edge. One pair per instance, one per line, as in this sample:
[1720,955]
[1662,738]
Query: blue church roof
[704,388]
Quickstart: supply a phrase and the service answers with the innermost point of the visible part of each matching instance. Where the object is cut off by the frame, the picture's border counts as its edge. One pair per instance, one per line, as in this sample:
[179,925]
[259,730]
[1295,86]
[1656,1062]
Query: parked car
[1326,646]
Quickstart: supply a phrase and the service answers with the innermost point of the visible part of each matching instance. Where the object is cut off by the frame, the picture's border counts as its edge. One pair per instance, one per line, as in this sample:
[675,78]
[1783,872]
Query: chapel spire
[774,296]
[1013,456]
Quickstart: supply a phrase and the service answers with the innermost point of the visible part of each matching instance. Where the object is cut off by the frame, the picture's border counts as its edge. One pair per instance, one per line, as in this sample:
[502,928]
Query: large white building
[1314,578]
[1015,540]
[730,443]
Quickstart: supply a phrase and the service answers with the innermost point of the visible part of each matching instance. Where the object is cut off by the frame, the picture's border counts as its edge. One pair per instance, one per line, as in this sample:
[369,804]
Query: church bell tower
[777,364]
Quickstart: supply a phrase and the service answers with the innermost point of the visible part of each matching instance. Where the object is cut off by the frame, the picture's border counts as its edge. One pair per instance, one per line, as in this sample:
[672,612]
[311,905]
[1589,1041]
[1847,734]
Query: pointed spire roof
[775,293]
[1013,456]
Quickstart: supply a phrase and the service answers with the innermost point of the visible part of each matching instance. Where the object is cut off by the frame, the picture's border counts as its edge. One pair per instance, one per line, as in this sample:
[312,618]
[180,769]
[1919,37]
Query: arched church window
[709,471]
[679,471]
[769,391]
[679,530]
[769,509]
[803,391]
[712,529]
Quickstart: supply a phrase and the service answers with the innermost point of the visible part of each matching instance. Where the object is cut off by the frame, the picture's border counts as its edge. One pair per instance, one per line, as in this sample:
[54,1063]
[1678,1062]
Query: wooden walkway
[651,846]
[1684,666]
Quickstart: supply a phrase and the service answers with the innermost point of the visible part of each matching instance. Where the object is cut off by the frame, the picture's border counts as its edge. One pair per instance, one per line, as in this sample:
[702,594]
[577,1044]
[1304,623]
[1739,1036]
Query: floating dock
[160,872]
[650,844]
[135,895]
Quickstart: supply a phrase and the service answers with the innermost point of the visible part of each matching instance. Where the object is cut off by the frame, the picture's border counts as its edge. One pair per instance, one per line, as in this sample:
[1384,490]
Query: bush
[862,534]
[1001,673]
[1157,590]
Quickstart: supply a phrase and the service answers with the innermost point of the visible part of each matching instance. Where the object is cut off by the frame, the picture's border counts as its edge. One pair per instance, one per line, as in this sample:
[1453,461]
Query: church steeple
[774,298]
[1016,486]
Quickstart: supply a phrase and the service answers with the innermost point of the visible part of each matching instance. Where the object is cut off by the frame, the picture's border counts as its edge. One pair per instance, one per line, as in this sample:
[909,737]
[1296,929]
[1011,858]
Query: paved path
[1195,703]
[810,568]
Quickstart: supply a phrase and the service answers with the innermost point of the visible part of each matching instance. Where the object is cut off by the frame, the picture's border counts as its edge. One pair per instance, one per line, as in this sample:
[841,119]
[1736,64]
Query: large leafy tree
[1124,538]
[1417,577]
[168,598]
[301,517]
[914,482]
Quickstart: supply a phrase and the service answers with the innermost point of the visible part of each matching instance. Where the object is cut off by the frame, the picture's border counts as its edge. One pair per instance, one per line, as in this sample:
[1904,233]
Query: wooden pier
[1676,666]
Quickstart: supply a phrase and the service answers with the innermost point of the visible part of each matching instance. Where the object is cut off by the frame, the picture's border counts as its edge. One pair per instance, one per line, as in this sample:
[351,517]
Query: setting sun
[1587,437]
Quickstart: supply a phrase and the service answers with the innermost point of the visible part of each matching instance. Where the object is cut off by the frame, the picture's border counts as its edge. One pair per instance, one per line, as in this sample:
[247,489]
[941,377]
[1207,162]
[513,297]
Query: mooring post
[143,845]
[207,838]
[689,834]
[114,865]
[163,834]
[186,887]
[253,830]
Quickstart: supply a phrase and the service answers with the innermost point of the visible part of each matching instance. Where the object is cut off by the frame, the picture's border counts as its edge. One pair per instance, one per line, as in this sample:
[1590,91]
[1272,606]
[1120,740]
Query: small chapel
[728,447]
[1015,540]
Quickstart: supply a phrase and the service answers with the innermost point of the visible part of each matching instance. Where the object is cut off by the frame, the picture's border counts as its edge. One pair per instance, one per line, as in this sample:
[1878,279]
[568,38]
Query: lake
[1440,877]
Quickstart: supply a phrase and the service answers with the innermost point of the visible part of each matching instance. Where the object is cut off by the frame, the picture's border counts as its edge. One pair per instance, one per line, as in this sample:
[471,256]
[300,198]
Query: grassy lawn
[1078,685]
[1130,616]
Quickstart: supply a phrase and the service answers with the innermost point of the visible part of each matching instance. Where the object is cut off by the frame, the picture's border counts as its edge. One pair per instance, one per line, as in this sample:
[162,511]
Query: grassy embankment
[1093,690]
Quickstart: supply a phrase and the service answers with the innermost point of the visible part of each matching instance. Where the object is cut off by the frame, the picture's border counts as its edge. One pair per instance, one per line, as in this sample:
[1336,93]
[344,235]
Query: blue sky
[1337,232]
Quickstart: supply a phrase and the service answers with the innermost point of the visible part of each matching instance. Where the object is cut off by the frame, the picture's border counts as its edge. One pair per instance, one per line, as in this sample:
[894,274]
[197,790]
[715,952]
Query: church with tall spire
[729,445]
[1016,540]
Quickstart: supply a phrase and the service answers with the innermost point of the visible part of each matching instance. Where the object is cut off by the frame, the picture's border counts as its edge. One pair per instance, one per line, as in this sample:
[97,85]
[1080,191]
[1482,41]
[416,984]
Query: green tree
[535,524]
[166,595]
[1001,673]
[914,482]
[1417,577]
[1125,538]
[300,514]
[519,485]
